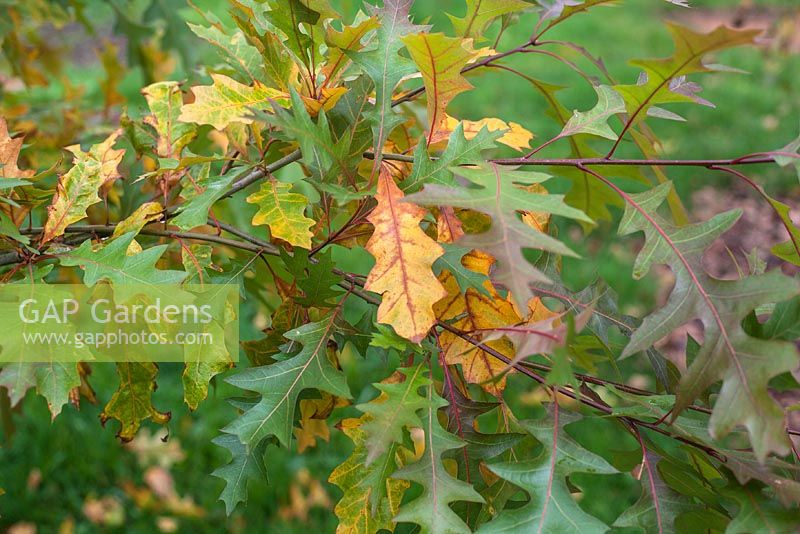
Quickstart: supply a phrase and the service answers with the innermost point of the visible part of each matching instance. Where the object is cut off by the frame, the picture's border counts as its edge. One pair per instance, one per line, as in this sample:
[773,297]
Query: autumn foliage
[317,166]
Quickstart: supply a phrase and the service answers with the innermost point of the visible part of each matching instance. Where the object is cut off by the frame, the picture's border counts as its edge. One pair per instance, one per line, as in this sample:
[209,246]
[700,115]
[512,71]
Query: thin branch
[578,162]
[261,173]
[591,162]
[106,230]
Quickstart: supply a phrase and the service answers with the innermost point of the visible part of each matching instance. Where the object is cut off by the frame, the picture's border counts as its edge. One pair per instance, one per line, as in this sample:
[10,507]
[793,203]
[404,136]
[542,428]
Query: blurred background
[69,475]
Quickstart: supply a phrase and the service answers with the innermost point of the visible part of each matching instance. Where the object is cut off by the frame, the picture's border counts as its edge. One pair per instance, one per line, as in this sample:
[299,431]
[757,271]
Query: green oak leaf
[232,45]
[789,156]
[462,414]
[386,67]
[497,194]
[245,465]
[327,157]
[587,194]
[53,381]
[281,383]
[659,505]
[481,13]
[459,151]
[755,512]
[132,403]
[551,507]
[111,263]
[595,121]
[431,510]
[317,280]
[394,411]
[201,367]
[273,50]
[302,23]
[9,229]
[783,322]
[200,193]
[745,364]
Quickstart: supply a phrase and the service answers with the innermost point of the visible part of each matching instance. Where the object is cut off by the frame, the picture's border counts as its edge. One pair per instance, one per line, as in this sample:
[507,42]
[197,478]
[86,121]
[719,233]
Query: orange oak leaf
[448,225]
[403,255]
[9,153]
[477,313]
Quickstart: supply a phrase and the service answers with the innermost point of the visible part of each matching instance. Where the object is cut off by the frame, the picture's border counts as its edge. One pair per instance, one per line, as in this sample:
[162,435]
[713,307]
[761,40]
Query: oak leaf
[384,65]
[480,13]
[551,507]
[143,215]
[440,60]
[165,101]
[77,189]
[9,154]
[690,50]
[283,212]
[404,257]
[132,403]
[474,312]
[501,194]
[744,364]
[364,484]
[281,383]
[514,135]
[432,509]
[227,101]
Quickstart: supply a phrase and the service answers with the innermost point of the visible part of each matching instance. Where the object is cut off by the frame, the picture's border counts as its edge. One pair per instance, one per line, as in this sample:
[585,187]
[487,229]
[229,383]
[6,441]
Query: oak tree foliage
[318,164]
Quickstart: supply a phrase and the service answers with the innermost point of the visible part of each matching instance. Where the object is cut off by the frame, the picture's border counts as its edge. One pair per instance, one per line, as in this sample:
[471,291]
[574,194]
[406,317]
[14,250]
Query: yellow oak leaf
[403,255]
[283,212]
[326,99]
[341,42]
[77,189]
[440,60]
[165,102]
[227,101]
[371,499]
[144,214]
[313,424]
[534,219]
[515,136]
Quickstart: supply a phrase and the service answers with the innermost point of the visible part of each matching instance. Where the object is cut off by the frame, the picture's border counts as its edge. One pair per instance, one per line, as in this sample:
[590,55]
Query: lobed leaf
[744,364]
[283,212]
[404,258]
[440,60]
[281,383]
[551,507]
[497,194]
[77,189]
